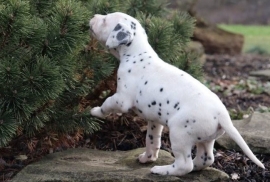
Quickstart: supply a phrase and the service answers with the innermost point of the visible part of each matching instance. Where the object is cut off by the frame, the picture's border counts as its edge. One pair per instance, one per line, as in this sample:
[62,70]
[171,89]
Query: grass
[257,38]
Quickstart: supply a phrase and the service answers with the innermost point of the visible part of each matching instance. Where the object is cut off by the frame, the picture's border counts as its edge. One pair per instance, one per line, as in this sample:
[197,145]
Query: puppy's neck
[137,46]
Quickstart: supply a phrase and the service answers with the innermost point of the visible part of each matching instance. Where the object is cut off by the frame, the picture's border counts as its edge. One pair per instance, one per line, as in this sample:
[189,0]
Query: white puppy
[163,95]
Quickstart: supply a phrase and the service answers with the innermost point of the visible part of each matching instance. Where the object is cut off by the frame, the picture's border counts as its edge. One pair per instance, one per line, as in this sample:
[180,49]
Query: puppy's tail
[235,135]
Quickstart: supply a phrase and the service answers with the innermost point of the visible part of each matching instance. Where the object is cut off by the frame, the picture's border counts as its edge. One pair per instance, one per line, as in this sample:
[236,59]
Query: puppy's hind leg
[153,142]
[181,147]
[204,155]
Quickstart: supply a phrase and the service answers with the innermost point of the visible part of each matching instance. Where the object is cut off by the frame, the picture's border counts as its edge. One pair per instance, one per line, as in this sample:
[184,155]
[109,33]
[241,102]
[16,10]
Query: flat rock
[254,130]
[261,73]
[84,164]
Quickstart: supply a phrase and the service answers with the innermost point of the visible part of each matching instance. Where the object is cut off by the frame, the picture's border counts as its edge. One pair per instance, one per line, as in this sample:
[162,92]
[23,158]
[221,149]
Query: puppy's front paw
[143,158]
[96,111]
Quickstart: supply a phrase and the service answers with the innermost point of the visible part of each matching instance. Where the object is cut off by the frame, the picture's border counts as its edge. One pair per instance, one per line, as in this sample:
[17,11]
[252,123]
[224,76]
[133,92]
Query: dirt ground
[227,76]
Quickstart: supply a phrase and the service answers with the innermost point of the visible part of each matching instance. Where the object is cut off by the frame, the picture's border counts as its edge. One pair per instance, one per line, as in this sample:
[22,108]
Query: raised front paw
[97,111]
[143,158]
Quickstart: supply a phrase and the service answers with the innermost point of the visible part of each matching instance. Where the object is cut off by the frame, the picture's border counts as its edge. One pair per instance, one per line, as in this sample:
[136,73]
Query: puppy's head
[113,30]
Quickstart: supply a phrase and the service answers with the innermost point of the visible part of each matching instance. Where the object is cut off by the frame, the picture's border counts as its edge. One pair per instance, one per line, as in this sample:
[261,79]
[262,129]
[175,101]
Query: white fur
[164,95]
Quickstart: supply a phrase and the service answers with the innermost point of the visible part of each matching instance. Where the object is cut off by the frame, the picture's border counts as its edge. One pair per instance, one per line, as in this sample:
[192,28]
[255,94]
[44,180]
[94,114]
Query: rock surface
[261,73]
[254,130]
[93,165]
[216,40]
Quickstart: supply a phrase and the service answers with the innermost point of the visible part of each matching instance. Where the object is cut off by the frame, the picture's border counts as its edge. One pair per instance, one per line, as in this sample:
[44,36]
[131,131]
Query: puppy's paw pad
[96,111]
[161,170]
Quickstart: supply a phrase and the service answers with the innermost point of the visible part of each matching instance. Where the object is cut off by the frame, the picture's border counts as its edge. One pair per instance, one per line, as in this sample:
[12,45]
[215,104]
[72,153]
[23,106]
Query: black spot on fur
[140,110]
[215,117]
[129,70]
[118,78]
[168,113]
[149,105]
[121,36]
[194,121]
[137,101]
[129,44]
[199,138]
[150,57]
[146,82]
[160,104]
[188,156]
[159,113]
[185,126]
[128,54]
[209,158]
[176,105]
[154,103]
[173,166]
[149,156]
[168,101]
[161,90]
[151,137]
[134,62]
[117,27]
[187,121]
[141,60]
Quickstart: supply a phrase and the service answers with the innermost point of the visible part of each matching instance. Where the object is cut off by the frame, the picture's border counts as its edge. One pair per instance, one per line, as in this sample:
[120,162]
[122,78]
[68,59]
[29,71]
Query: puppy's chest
[133,69]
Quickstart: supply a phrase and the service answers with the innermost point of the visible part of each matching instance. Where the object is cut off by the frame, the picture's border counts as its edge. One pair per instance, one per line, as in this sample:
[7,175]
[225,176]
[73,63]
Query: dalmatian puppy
[165,96]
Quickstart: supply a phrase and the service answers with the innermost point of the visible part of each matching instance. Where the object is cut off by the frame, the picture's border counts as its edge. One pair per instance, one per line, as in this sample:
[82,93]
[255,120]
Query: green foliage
[39,49]
[258,50]
[256,37]
[48,64]
[148,8]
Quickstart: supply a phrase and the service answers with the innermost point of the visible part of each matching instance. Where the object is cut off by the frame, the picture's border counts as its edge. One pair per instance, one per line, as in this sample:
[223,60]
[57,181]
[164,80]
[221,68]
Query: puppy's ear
[121,35]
